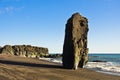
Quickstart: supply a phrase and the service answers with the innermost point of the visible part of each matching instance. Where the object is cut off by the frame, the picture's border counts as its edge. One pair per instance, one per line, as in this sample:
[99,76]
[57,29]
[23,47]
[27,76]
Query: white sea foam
[104,67]
[51,60]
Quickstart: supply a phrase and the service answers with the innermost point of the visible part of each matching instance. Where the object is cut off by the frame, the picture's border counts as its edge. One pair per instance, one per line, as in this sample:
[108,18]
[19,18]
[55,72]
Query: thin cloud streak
[10,9]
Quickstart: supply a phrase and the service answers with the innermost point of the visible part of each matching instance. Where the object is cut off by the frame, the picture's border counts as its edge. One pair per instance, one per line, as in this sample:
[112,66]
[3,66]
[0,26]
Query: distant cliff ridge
[24,50]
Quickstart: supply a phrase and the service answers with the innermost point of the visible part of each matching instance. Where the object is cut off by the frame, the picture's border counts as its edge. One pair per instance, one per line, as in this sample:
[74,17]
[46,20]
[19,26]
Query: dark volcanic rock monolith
[75,51]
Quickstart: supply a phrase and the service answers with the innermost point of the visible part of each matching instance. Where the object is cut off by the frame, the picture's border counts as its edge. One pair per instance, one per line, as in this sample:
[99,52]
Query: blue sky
[42,23]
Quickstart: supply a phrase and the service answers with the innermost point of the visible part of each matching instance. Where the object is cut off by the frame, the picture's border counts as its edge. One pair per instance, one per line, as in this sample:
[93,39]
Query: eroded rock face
[7,49]
[23,50]
[0,49]
[75,51]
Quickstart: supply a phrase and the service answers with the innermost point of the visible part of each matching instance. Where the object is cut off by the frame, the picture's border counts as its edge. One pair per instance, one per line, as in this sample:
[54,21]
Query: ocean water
[105,57]
[104,63]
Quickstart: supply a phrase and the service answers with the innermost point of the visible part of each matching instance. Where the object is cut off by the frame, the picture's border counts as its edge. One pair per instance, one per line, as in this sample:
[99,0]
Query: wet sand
[19,68]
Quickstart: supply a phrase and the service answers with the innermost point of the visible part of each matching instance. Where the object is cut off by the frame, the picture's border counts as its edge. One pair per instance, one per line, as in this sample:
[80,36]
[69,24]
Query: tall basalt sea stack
[75,51]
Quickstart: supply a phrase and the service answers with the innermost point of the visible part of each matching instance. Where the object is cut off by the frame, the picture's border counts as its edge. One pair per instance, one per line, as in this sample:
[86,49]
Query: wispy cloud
[10,9]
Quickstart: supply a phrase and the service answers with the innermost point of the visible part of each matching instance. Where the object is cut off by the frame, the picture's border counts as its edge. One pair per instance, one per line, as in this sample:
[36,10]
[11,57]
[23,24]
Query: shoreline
[20,68]
[96,68]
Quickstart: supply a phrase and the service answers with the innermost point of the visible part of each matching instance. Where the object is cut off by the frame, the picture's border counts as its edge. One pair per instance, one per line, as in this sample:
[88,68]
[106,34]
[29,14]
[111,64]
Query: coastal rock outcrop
[75,51]
[24,50]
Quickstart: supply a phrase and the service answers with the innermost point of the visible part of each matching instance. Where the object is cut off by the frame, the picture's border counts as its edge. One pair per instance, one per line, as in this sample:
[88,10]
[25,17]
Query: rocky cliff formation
[24,50]
[75,51]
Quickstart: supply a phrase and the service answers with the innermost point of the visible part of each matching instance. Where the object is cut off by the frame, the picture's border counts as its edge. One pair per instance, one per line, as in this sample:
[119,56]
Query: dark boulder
[75,51]
[98,61]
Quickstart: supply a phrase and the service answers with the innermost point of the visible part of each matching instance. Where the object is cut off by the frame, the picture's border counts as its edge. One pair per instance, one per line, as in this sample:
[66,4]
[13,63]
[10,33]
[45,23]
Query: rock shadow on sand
[31,64]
